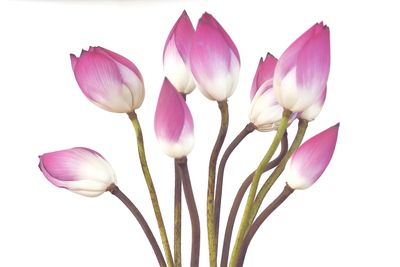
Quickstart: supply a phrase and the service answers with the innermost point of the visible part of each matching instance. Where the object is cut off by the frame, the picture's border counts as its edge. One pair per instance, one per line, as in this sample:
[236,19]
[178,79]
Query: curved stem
[253,188]
[193,213]
[177,217]
[141,220]
[238,199]
[301,130]
[223,106]
[249,128]
[287,191]
[150,186]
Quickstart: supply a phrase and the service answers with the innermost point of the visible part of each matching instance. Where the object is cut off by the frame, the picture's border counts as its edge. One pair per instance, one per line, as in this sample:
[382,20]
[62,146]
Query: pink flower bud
[302,71]
[313,111]
[173,122]
[311,159]
[176,55]
[109,80]
[214,60]
[80,170]
[265,112]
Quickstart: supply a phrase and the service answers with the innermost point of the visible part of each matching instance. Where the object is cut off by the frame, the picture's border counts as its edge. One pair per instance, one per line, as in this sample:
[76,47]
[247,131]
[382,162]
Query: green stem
[287,191]
[212,246]
[238,199]
[244,226]
[177,217]
[193,213]
[249,128]
[153,196]
[114,189]
[301,130]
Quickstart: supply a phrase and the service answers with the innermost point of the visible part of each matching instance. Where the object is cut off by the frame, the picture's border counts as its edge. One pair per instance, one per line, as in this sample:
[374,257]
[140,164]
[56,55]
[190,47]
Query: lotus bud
[176,55]
[109,80]
[173,122]
[265,112]
[302,71]
[80,170]
[214,60]
[310,160]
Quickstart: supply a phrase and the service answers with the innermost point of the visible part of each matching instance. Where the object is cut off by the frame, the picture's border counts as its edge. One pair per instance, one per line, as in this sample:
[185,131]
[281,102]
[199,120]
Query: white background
[349,218]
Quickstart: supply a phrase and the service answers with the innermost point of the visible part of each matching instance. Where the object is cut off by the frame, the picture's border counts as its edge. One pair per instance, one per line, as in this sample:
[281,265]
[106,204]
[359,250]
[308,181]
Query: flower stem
[114,189]
[287,191]
[253,189]
[301,130]
[223,106]
[249,128]
[153,196]
[238,199]
[193,213]
[177,217]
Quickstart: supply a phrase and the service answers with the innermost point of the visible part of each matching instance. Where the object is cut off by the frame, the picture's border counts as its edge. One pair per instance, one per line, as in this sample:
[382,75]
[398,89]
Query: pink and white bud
[176,55]
[313,111]
[214,60]
[265,112]
[80,170]
[173,122]
[311,159]
[302,71]
[109,80]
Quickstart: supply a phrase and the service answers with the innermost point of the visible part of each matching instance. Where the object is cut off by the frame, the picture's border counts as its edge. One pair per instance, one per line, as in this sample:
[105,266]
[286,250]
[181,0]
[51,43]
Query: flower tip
[73,59]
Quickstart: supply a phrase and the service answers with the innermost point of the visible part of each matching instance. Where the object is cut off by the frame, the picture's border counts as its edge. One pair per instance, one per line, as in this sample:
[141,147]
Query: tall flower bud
[173,122]
[109,80]
[302,71]
[176,55]
[311,159]
[214,60]
[80,170]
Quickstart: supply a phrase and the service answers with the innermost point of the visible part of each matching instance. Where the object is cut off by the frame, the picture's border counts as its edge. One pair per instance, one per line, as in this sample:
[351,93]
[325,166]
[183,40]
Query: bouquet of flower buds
[290,88]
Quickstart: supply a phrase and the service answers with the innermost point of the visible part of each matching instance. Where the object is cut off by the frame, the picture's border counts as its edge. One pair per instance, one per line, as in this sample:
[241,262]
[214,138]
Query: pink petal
[311,158]
[288,60]
[74,60]
[120,59]
[313,62]
[181,34]
[172,114]
[265,71]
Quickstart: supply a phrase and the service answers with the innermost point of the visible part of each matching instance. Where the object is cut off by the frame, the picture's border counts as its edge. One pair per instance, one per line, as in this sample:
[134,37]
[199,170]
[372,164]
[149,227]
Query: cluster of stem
[250,223]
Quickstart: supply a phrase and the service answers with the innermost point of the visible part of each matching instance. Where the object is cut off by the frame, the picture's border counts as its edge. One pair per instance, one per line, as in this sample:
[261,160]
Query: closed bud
[214,60]
[173,122]
[109,80]
[80,170]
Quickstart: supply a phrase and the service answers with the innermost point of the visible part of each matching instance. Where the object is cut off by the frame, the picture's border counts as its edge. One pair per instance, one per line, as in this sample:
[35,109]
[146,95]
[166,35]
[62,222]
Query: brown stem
[114,189]
[287,191]
[249,128]
[177,217]
[193,213]
[238,199]
[223,106]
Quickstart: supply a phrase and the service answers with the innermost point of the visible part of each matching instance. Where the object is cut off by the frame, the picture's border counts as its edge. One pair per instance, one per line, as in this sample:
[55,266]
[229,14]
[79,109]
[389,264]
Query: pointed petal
[265,72]
[313,63]
[311,159]
[173,122]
